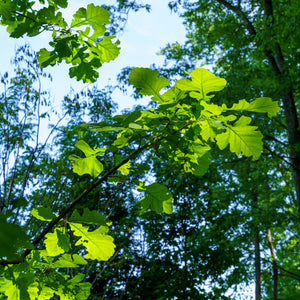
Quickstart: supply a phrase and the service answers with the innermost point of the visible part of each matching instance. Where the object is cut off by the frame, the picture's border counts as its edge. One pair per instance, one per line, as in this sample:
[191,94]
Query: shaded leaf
[157,198]
[43,213]
[88,217]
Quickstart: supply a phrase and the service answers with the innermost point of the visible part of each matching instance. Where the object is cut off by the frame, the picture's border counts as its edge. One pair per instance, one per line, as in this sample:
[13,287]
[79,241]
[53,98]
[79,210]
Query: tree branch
[237,9]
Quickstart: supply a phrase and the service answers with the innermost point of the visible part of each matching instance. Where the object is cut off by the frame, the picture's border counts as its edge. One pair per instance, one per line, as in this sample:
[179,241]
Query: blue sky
[145,34]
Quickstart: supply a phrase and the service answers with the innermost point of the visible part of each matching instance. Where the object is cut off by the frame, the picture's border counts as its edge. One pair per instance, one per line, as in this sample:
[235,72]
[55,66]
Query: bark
[257,266]
[274,265]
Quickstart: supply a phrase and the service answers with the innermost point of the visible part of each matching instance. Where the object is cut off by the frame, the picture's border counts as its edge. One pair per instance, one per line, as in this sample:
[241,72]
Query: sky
[145,34]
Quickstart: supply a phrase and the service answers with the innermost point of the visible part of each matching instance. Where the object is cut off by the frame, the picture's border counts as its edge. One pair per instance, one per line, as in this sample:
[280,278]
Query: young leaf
[90,165]
[98,244]
[202,83]
[9,289]
[148,82]
[57,242]
[69,261]
[242,138]
[95,16]
[87,150]
[157,198]
[261,105]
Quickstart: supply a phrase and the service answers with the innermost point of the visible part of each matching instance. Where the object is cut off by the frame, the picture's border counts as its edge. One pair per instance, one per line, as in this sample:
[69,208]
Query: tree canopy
[189,198]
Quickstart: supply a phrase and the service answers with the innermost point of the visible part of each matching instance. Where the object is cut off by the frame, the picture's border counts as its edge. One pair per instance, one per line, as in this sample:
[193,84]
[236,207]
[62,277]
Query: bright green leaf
[98,244]
[89,165]
[261,105]
[202,83]
[148,82]
[242,138]
[57,242]
[87,150]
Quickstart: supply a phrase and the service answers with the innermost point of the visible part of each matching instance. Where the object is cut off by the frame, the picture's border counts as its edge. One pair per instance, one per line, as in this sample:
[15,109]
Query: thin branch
[237,9]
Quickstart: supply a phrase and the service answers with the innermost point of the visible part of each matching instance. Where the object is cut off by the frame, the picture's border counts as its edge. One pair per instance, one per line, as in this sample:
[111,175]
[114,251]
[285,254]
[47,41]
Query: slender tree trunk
[274,265]
[257,266]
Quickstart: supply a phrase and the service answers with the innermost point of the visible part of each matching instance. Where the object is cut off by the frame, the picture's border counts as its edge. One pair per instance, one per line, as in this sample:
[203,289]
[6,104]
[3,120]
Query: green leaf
[10,289]
[261,105]
[202,83]
[69,261]
[148,82]
[89,165]
[157,198]
[87,150]
[242,138]
[43,213]
[125,169]
[94,16]
[208,130]
[202,165]
[98,244]
[12,239]
[85,70]
[106,49]
[6,8]
[47,58]
[88,217]
[57,242]
[211,109]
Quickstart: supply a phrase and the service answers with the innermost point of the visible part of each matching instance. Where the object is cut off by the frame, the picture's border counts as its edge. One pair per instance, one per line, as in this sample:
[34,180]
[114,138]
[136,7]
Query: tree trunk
[274,266]
[257,266]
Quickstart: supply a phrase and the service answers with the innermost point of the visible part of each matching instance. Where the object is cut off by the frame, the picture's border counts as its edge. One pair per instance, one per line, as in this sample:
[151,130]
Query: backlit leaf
[57,242]
[242,138]
[98,244]
[202,83]
[43,213]
[148,82]
[261,105]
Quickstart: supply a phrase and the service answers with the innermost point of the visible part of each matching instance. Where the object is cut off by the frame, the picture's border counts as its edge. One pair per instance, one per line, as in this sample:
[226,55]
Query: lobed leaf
[57,242]
[261,105]
[202,83]
[157,198]
[242,138]
[87,217]
[148,82]
[98,244]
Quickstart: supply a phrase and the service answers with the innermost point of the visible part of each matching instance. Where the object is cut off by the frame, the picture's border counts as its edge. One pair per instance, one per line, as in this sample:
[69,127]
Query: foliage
[186,126]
